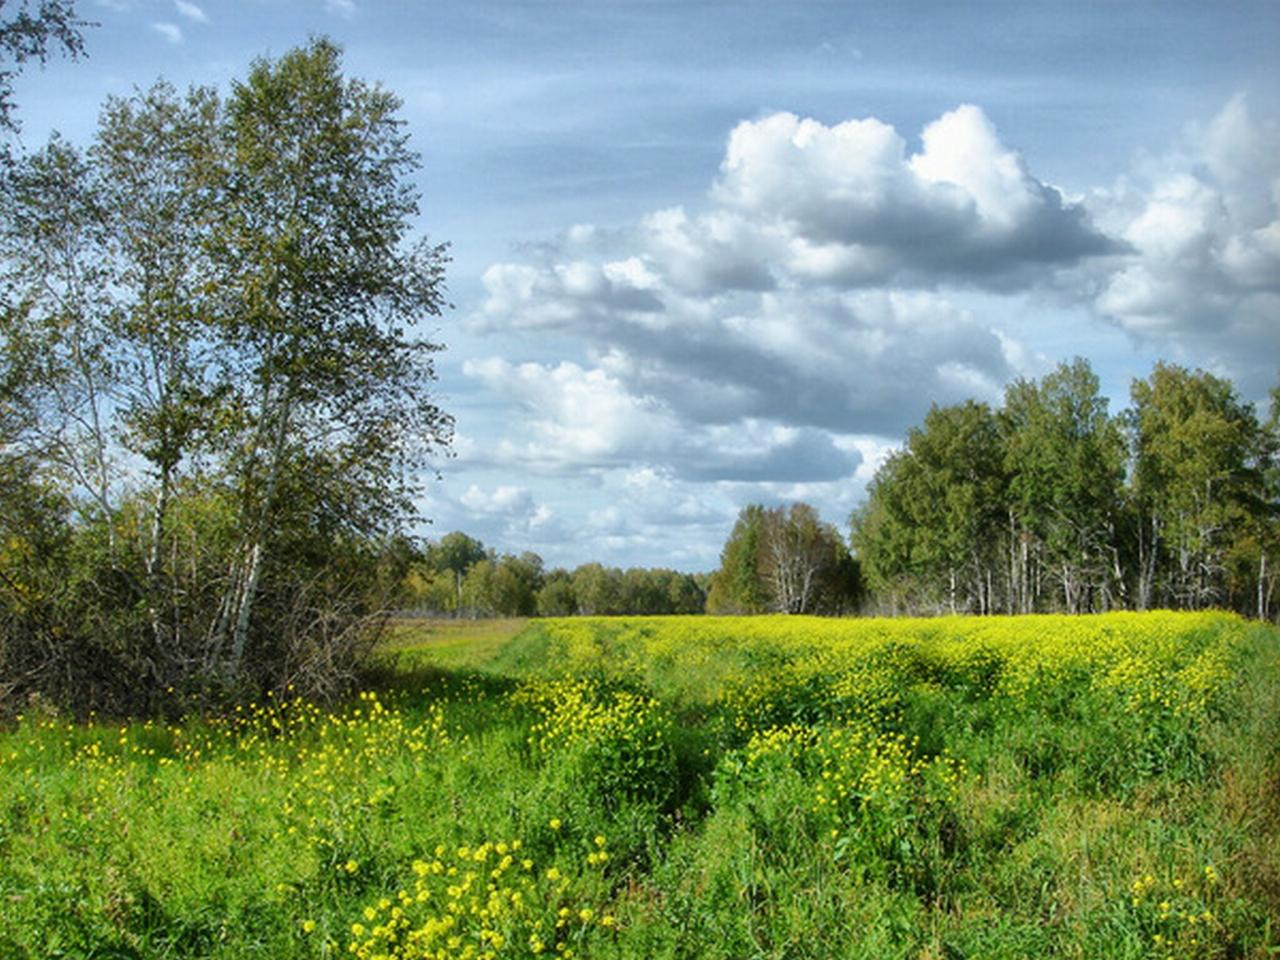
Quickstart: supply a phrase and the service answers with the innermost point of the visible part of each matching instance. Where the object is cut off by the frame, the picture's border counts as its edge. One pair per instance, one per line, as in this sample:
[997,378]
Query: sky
[711,254]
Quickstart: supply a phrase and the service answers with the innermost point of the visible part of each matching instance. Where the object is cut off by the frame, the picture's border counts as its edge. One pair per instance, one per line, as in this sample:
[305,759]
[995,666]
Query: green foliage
[556,597]
[737,587]
[27,36]
[507,585]
[1065,458]
[1053,504]
[939,510]
[785,560]
[1195,477]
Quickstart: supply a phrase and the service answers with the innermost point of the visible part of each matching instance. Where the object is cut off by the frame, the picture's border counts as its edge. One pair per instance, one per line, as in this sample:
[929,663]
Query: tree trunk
[1262,579]
[249,593]
[1147,554]
[153,554]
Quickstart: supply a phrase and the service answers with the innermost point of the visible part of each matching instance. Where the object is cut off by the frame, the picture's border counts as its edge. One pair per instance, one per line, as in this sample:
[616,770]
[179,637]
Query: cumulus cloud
[853,209]
[811,298]
[1204,226]
[505,516]
[579,418]
[574,415]
[798,204]
[867,360]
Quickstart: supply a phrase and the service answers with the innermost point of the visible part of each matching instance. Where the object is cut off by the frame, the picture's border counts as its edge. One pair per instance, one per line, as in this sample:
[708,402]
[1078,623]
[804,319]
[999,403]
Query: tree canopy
[1053,503]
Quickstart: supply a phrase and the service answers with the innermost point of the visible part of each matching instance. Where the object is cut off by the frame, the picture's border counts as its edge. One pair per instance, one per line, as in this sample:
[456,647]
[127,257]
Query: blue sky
[707,254]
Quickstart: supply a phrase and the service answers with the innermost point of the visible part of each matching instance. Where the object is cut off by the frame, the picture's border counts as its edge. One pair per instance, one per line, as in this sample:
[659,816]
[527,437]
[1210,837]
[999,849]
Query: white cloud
[505,516]
[170,31]
[772,344]
[856,360]
[856,210]
[341,8]
[576,418]
[191,11]
[1203,280]
[501,500]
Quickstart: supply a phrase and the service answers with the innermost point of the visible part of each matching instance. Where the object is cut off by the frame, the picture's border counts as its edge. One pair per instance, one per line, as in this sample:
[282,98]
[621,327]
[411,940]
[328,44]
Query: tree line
[1048,503]
[458,576]
[1051,503]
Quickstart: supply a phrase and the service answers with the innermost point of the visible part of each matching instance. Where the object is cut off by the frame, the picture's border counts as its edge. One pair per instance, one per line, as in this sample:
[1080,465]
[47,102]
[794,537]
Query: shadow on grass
[432,682]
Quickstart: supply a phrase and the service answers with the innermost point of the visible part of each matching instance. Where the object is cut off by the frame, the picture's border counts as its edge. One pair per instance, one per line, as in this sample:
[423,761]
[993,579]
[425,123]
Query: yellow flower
[308,926]
[555,823]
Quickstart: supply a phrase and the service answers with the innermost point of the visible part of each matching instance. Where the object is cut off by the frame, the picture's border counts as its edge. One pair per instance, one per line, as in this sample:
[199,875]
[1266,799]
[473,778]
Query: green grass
[448,644]
[682,787]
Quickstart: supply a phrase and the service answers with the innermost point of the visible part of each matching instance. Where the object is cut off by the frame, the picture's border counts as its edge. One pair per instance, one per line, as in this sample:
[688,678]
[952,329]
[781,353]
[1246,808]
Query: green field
[1102,786]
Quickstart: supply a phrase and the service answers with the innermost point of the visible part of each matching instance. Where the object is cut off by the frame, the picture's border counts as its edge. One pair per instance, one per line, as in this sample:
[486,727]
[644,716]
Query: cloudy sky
[708,253]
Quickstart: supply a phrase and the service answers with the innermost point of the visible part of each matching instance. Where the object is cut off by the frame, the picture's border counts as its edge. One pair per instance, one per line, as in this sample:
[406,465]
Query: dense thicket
[212,411]
[1051,503]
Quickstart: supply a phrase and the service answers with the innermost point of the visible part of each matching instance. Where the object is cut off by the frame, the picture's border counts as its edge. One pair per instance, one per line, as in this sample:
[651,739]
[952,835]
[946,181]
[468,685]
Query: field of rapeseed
[683,787]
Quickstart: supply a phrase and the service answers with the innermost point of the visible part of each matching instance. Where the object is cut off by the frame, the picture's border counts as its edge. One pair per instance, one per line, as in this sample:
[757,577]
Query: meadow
[1101,786]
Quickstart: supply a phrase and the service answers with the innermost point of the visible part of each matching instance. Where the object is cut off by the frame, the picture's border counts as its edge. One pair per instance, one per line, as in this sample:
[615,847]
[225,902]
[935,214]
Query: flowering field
[683,787]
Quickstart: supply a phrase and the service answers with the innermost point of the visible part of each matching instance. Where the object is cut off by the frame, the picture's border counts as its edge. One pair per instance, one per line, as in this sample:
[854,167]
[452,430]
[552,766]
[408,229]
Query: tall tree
[210,313]
[930,530]
[958,451]
[556,597]
[57,364]
[1264,521]
[1193,441]
[737,586]
[159,169]
[455,554]
[1065,459]
[800,559]
[883,533]
[327,389]
[784,559]
[598,590]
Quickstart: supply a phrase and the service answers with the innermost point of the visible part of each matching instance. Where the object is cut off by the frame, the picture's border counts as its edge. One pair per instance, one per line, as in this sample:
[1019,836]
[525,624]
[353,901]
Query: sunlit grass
[450,643]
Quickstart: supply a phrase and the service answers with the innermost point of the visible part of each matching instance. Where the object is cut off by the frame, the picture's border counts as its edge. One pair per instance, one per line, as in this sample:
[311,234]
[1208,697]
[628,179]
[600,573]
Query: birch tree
[1193,440]
[321,284]
[1065,459]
